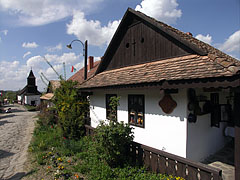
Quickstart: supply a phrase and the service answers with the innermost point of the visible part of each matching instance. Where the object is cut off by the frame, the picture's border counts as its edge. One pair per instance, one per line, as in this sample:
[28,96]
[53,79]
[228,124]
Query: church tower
[31,79]
[31,83]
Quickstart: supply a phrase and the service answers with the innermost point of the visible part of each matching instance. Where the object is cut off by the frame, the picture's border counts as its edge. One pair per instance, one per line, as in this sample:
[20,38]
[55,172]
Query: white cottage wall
[162,131]
[19,98]
[35,98]
[202,139]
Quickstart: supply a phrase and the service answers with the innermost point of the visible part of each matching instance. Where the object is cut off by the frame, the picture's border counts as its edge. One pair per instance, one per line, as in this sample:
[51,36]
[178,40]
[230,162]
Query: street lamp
[84,54]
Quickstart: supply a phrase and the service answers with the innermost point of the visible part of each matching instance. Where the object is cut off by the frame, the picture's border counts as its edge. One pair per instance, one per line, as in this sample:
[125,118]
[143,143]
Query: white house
[29,94]
[177,92]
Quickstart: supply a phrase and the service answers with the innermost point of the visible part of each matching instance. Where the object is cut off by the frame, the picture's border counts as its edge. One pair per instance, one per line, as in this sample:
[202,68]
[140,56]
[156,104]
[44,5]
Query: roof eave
[224,82]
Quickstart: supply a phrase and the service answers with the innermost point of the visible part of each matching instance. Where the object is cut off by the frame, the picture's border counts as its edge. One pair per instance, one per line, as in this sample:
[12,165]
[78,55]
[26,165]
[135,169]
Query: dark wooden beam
[237,134]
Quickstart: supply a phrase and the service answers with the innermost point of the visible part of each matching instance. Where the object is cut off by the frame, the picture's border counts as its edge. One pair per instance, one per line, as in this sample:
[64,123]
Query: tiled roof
[186,67]
[54,84]
[211,63]
[47,96]
[79,76]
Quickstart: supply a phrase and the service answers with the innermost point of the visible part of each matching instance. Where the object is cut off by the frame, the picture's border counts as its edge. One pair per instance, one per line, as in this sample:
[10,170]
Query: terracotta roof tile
[187,67]
[47,96]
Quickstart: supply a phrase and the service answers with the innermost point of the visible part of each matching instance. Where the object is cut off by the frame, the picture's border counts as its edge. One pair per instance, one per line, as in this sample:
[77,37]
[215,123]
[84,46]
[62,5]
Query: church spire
[31,79]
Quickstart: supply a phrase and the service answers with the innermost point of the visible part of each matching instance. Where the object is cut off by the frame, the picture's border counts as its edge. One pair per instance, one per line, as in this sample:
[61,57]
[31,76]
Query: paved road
[15,134]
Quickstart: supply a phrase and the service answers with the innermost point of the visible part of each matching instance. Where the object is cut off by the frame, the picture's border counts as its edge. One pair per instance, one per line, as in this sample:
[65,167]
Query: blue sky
[31,29]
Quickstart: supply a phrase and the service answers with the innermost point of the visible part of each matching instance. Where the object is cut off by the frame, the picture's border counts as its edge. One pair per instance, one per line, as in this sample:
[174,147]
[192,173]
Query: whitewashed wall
[162,131]
[35,98]
[204,140]
[19,98]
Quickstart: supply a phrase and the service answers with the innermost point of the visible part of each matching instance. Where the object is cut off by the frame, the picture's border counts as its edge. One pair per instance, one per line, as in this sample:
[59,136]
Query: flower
[76,176]
[60,167]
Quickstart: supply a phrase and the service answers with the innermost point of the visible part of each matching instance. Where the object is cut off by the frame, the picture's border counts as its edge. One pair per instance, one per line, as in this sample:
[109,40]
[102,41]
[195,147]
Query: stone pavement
[16,130]
[224,160]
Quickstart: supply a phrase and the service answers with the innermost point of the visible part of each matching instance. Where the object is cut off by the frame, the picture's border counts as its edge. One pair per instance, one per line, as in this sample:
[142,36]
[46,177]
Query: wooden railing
[165,163]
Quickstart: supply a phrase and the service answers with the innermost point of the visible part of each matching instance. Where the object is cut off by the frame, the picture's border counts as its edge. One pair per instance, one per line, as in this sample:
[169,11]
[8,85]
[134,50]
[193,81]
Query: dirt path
[16,130]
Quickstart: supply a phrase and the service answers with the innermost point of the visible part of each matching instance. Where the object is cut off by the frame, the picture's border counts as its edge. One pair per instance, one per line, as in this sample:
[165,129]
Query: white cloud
[39,12]
[30,45]
[232,44]
[5,32]
[163,10]
[206,39]
[68,58]
[26,54]
[35,62]
[78,66]
[13,75]
[93,31]
[55,48]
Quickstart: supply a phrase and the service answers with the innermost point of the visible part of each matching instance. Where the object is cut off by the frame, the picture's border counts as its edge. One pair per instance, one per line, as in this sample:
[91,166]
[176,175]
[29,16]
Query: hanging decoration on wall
[192,118]
[167,104]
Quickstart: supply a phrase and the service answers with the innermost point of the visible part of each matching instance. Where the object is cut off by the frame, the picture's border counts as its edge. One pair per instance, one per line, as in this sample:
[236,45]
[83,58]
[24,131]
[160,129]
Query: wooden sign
[167,104]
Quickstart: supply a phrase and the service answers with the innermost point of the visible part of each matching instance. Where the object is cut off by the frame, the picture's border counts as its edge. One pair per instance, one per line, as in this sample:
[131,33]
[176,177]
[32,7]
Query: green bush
[47,117]
[112,142]
[71,109]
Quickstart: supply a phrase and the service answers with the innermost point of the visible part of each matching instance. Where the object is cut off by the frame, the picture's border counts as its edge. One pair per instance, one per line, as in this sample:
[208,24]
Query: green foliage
[30,108]
[47,117]
[71,109]
[112,142]
[68,158]
[45,137]
[114,103]
[96,168]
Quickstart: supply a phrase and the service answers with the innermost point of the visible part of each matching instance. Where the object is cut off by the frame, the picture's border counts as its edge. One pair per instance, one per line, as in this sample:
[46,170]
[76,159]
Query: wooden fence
[165,163]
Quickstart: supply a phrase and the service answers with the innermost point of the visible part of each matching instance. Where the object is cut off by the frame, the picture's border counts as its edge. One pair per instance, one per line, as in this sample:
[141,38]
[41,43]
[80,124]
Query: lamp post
[84,54]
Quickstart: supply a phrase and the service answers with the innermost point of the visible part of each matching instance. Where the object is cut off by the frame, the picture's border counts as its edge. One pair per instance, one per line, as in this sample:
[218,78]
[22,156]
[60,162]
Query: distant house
[46,99]
[29,94]
[177,92]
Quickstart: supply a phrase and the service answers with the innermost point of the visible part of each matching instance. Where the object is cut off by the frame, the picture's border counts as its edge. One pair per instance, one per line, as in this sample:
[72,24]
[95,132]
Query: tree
[71,109]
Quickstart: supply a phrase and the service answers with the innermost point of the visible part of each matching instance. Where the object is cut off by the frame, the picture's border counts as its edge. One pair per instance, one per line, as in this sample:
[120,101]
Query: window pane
[136,110]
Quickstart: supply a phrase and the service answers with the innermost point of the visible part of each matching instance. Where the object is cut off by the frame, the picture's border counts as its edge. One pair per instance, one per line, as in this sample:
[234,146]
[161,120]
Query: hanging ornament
[167,104]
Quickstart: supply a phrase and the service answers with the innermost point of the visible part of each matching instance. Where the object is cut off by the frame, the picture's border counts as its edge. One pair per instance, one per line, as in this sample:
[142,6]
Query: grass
[55,157]
[30,108]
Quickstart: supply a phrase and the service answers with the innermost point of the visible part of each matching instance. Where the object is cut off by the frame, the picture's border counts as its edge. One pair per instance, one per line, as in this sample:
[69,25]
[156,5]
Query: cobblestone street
[16,130]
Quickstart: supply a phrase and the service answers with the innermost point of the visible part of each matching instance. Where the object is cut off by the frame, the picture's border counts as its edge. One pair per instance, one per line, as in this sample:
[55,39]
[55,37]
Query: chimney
[90,62]
[188,33]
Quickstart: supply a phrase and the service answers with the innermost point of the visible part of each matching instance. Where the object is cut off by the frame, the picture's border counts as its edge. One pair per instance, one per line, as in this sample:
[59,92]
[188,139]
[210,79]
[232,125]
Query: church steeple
[31,79]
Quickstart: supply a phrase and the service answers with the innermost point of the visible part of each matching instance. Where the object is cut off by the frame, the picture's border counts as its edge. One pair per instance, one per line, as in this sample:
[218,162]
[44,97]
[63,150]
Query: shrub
[114,103]
[47,117]
[112,142]
[71,109]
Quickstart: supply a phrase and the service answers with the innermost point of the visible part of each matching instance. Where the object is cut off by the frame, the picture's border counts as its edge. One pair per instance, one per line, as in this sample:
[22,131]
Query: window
[110,114]
[136,110]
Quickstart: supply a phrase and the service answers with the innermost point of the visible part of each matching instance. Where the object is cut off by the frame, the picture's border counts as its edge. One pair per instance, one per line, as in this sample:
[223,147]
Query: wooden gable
[142,44]
[138,40]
